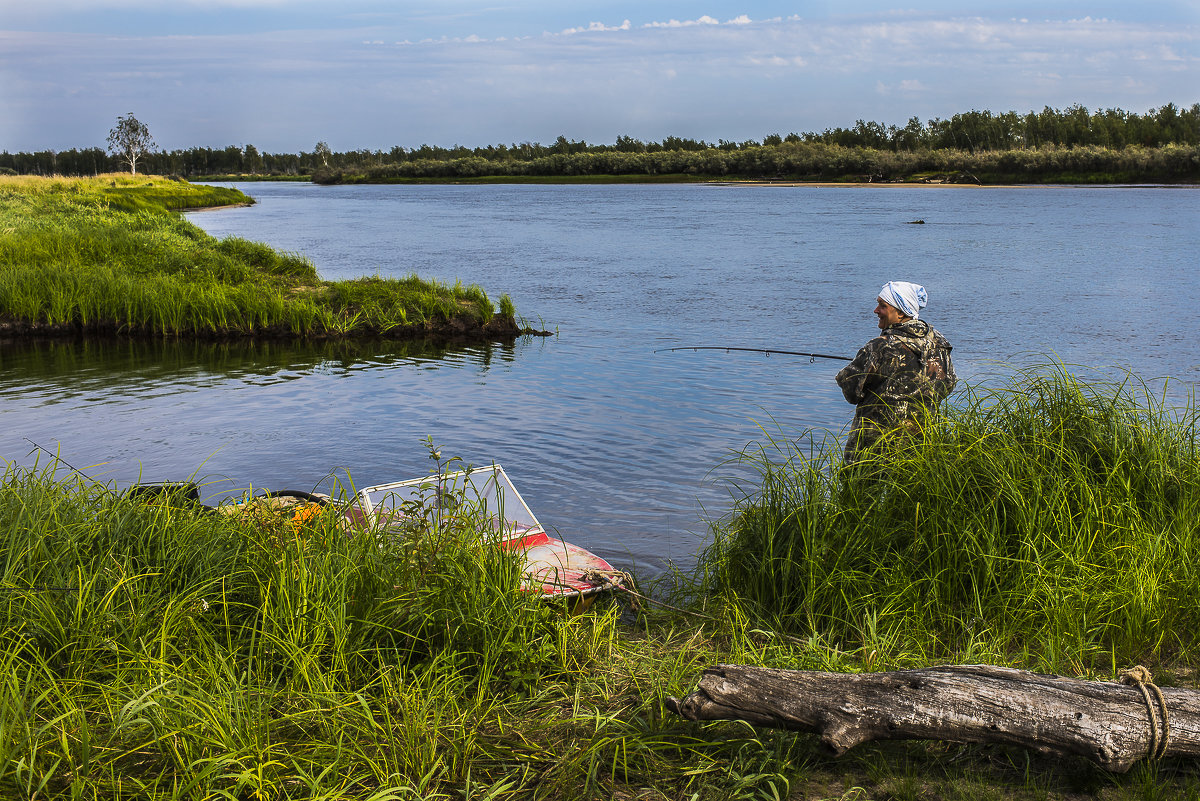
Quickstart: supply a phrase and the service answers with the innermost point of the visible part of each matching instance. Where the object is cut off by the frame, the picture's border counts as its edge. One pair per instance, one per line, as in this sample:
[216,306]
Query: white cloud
[674,23]
[595,27]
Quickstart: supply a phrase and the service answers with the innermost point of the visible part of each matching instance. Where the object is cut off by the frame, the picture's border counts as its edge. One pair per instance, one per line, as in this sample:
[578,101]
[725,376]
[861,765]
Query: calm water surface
[617,447]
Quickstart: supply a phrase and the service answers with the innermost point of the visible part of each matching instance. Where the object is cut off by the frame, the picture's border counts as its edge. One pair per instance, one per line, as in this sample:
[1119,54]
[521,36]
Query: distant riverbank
[790,163]
[803,163]
[607,180]
[111,255]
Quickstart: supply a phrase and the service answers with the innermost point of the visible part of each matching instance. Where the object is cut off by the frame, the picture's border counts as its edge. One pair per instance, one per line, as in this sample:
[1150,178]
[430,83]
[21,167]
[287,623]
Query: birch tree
[129,140]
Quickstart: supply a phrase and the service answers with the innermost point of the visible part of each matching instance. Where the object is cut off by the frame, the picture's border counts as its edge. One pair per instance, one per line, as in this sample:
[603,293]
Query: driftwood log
[1113,724]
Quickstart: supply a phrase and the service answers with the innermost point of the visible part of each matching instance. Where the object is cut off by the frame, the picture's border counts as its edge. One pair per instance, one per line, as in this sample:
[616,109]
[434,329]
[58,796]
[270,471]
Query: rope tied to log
[1141,677]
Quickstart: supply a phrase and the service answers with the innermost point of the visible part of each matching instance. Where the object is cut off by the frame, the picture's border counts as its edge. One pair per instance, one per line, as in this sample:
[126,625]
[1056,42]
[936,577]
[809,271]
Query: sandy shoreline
[216,208]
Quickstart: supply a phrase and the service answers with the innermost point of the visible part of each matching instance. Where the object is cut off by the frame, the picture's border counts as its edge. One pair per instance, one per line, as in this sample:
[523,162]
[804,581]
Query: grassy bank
[159,651]
[111,255]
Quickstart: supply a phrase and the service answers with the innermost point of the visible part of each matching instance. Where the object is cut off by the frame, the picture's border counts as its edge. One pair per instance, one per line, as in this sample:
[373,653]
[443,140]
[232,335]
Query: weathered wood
[1106,722]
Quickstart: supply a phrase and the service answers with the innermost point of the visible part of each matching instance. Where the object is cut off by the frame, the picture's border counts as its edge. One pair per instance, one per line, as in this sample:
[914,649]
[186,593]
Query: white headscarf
[909,298]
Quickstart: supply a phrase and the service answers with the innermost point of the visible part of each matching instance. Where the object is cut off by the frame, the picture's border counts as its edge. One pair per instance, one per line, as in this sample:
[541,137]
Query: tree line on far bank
[1162,144]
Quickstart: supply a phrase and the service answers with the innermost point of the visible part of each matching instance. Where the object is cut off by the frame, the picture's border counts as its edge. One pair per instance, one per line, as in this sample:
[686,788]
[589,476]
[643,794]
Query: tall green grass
[110,255]
[156,650]
[1048,522]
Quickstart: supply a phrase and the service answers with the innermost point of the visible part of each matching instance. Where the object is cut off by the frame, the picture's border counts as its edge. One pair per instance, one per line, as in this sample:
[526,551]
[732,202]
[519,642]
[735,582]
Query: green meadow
[158,650]
[112,255]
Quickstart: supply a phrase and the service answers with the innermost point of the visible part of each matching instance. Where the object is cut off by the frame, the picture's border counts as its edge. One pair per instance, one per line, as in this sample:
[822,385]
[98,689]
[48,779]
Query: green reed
[112,256]
[154,650]
[158,647]
[157,650]
[1049,521]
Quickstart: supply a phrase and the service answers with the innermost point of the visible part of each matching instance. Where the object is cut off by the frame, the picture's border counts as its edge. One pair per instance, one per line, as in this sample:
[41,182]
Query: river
[619,448]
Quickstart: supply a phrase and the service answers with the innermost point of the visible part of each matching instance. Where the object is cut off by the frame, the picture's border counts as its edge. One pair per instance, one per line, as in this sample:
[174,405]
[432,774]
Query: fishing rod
[58,458]
[812,357]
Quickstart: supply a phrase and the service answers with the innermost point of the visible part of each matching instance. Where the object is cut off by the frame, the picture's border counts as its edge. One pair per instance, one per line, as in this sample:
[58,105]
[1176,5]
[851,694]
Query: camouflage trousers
[868,436]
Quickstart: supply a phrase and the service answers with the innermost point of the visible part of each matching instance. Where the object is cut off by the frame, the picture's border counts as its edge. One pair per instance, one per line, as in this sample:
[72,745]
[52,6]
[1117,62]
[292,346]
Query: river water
[621,449]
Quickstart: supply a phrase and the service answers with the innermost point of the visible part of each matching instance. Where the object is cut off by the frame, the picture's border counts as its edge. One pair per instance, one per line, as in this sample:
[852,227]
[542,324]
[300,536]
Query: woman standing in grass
[899,375]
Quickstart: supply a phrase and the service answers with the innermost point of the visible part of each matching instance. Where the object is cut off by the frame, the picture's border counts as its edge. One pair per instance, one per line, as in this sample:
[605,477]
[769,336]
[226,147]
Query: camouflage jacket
[897,375]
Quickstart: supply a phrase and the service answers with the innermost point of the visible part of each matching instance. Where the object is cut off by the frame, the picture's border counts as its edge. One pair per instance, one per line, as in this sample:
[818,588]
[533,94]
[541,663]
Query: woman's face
[887,314]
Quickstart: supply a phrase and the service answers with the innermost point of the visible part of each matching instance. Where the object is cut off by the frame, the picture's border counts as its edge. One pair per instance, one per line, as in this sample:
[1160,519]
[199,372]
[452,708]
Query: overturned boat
[483,497]
[553,568]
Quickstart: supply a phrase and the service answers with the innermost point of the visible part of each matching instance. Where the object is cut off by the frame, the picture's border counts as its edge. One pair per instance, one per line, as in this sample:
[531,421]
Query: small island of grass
[112,255]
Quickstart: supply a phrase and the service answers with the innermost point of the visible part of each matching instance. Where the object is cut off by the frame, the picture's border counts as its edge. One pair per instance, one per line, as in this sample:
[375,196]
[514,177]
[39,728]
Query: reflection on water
[159,410]
[109,370]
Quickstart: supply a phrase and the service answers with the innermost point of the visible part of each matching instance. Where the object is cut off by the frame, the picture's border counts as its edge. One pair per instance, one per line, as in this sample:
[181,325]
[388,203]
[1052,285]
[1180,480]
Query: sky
[370,74]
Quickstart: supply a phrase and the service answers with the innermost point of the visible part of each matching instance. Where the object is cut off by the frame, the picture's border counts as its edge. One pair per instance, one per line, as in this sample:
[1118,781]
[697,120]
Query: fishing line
[812,357]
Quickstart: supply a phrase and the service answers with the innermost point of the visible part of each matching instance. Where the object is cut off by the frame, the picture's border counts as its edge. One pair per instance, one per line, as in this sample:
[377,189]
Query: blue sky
[282,74]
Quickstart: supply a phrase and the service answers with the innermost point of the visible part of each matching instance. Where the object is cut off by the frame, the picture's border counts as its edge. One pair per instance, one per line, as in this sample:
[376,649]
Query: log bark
[1109,723]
